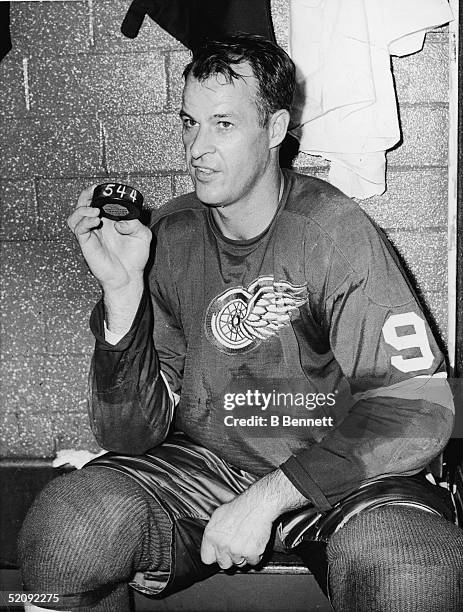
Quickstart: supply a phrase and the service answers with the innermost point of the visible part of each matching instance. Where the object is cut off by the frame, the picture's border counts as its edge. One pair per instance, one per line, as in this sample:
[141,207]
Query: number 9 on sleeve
[117,201]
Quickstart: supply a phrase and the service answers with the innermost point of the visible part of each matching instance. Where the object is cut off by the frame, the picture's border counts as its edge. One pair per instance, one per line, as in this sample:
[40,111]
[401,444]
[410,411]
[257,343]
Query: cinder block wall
[81,104]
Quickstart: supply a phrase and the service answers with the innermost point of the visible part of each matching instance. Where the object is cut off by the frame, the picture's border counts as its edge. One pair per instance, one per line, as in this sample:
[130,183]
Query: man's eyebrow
[234,115]
[182,113]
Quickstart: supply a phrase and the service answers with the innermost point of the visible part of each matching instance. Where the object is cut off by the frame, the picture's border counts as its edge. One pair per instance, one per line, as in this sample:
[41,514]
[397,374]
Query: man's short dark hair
[271,65]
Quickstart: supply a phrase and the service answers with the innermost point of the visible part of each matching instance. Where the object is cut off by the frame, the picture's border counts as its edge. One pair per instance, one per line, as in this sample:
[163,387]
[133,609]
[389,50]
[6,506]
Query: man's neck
[249,217]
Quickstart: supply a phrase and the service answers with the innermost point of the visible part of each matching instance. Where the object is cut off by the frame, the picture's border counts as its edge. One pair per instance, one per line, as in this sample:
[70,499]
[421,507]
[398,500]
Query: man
[273,358]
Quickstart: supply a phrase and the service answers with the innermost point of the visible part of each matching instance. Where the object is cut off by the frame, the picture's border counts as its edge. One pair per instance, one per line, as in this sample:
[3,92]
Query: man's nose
[202,142]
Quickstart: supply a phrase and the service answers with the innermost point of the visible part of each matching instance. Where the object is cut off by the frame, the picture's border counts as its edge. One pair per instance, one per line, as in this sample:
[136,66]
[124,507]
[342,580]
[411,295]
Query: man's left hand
[237,531]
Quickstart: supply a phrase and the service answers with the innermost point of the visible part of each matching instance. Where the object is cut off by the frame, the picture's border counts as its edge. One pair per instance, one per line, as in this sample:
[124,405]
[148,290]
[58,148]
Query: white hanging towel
[345,105]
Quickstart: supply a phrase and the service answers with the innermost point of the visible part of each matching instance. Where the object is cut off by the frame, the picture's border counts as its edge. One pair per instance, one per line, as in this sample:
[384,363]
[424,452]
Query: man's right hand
[116,253]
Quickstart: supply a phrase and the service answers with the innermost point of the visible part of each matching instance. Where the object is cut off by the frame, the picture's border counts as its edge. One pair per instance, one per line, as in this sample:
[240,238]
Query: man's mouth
[202,172]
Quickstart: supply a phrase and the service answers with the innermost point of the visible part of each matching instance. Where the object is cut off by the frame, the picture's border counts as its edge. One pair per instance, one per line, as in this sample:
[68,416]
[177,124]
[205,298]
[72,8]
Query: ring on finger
[242,563]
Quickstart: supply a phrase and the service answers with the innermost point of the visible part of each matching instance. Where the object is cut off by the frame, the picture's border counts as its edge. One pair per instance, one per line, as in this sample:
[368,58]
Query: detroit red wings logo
[239,319]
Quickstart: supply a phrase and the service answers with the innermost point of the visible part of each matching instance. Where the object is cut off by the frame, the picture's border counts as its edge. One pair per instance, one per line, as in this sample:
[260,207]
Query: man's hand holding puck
[116,253]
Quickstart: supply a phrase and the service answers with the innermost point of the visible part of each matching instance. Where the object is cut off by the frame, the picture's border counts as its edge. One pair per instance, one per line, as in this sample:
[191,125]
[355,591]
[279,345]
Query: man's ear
[278,126]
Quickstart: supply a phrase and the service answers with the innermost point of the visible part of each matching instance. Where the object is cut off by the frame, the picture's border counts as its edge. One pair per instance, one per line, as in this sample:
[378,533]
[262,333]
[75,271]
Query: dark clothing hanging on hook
[5,37]
[192,21]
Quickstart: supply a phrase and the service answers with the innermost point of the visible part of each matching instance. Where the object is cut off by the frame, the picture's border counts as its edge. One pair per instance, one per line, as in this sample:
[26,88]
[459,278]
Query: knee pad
[396,559]
[86,529]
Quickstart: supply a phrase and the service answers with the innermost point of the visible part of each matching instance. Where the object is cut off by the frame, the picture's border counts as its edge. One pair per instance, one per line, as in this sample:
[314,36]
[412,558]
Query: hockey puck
[117,201]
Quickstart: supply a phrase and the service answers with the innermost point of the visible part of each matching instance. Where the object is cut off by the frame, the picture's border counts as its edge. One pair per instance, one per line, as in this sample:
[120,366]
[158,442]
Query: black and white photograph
[231,342]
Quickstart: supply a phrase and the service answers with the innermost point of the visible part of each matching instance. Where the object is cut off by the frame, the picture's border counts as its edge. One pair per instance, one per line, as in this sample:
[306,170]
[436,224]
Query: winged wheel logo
[239,319]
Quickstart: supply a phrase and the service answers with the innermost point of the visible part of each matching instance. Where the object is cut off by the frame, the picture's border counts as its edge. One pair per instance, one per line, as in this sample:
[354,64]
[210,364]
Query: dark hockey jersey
[303,348]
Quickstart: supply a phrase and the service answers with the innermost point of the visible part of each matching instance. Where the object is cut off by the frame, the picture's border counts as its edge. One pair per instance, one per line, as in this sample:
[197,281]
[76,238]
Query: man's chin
[208,198]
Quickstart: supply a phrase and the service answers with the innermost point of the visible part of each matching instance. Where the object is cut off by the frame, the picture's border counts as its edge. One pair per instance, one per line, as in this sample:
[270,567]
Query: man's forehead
[220,86]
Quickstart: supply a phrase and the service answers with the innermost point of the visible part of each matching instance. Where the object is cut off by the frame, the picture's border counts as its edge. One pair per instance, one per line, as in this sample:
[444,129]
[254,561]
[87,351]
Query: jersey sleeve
[133,385]
[402,413]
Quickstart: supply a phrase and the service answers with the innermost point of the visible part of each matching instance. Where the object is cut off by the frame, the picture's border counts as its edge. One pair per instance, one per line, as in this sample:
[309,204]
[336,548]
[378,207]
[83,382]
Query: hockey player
[272,299]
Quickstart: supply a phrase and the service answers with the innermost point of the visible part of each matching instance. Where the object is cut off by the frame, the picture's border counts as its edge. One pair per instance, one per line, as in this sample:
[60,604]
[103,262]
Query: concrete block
[50,28]
[414,199]
[36,434]
[26,435]
[436,304]
[439,35]
[12,97]
[45,269]
[67,325]
[176,62]
[9,433]
[317,172]
[25,429]
[21,378]
[57,198]
[148,143]
[182,184]
[425,140]
[126,83]
[425,137]
[423,76]
[18,214]
[108,16]
[65,382]
[280,19]
[65,398]
[22,326]
[156,190]
[51,145]
[73,431]
[425,256]
[442,30]
[304,161]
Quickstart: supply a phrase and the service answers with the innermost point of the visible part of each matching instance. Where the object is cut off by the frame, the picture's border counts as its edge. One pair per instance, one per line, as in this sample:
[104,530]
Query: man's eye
[226,125]
[188,123]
